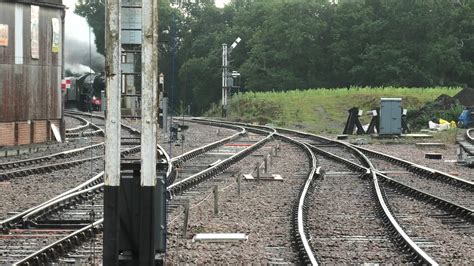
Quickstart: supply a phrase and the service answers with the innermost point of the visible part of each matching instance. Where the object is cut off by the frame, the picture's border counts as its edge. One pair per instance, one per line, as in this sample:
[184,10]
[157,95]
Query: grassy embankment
[321,110]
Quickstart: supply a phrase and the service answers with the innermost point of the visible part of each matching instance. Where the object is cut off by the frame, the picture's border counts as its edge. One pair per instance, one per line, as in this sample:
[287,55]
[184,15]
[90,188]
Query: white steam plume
[79,56]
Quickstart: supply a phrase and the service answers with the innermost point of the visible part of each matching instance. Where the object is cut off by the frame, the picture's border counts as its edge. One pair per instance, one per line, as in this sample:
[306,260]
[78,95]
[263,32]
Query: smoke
[80,51]
[78,69]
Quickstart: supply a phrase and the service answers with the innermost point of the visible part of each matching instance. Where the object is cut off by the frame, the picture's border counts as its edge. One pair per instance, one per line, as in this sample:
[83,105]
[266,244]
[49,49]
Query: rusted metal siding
[30,91]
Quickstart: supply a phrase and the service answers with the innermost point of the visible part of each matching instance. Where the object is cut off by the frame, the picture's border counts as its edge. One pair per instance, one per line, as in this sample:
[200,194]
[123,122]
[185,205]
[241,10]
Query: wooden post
[238,185]
[216,199]
[258,171]
[32,132]
[186,218]
[16,134]
[48,130]
[265,164]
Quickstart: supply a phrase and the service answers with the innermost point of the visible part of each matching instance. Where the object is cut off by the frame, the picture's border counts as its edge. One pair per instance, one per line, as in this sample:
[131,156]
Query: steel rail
[415,168]
[76,238]
[70,198]
[127,127]
[92,185]
[450,207]
[470,135]
[51,205]
[53,249]
[369,170]
[306,251]
[57,202]
[60,246]
[389,219]
[419,169]
[85,124]
[44,169]
[75,132]
[64,154]
[7,223]
[178,160]
[180,186]
[299,220]
[73,196]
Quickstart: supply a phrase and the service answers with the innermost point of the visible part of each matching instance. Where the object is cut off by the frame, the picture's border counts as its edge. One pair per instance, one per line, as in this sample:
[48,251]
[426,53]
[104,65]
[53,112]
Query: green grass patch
[321,110]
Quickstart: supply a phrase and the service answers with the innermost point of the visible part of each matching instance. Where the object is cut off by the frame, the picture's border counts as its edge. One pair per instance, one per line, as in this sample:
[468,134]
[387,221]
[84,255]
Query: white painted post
[113,82]
[149,93]
[112,131]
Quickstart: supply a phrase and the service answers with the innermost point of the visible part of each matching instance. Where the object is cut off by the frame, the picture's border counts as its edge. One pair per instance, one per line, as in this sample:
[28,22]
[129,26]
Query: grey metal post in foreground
[112,129]
[150,107]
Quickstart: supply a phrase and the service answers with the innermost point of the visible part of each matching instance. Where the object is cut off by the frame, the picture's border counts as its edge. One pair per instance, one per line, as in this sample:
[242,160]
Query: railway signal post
[134,218]
[226,77]
[112,128]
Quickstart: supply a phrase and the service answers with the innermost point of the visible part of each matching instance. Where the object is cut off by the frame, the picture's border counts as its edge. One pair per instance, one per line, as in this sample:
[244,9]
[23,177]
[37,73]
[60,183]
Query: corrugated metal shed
[29,86]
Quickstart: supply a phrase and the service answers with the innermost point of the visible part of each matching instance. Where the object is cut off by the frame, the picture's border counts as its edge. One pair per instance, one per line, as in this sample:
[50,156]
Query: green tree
[94,13]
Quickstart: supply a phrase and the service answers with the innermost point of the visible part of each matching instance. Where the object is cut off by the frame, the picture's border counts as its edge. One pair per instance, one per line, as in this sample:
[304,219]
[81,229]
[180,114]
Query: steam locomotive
[84,92]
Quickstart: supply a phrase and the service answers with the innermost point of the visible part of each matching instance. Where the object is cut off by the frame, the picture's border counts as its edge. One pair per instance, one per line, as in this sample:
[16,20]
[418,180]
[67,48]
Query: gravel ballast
[343,222]
[21,193]
[415,154]
[263,212]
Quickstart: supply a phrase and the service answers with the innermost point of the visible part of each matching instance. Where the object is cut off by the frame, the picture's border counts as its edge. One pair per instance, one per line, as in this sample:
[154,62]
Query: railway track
[369,185]
[65,159]
[450,210]
[85,196]
[277,250]
[354,172]
[470,135]
[449,188]
[81,131]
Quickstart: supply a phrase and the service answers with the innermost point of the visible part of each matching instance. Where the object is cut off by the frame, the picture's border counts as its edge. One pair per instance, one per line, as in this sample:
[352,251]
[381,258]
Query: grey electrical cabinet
[390,116]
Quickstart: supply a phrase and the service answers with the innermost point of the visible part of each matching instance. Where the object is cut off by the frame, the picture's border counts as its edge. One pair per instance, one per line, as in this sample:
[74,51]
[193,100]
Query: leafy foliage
[313,43]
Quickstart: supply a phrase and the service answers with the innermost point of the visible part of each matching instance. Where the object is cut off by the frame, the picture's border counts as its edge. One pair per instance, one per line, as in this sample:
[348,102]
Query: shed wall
[29,90]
